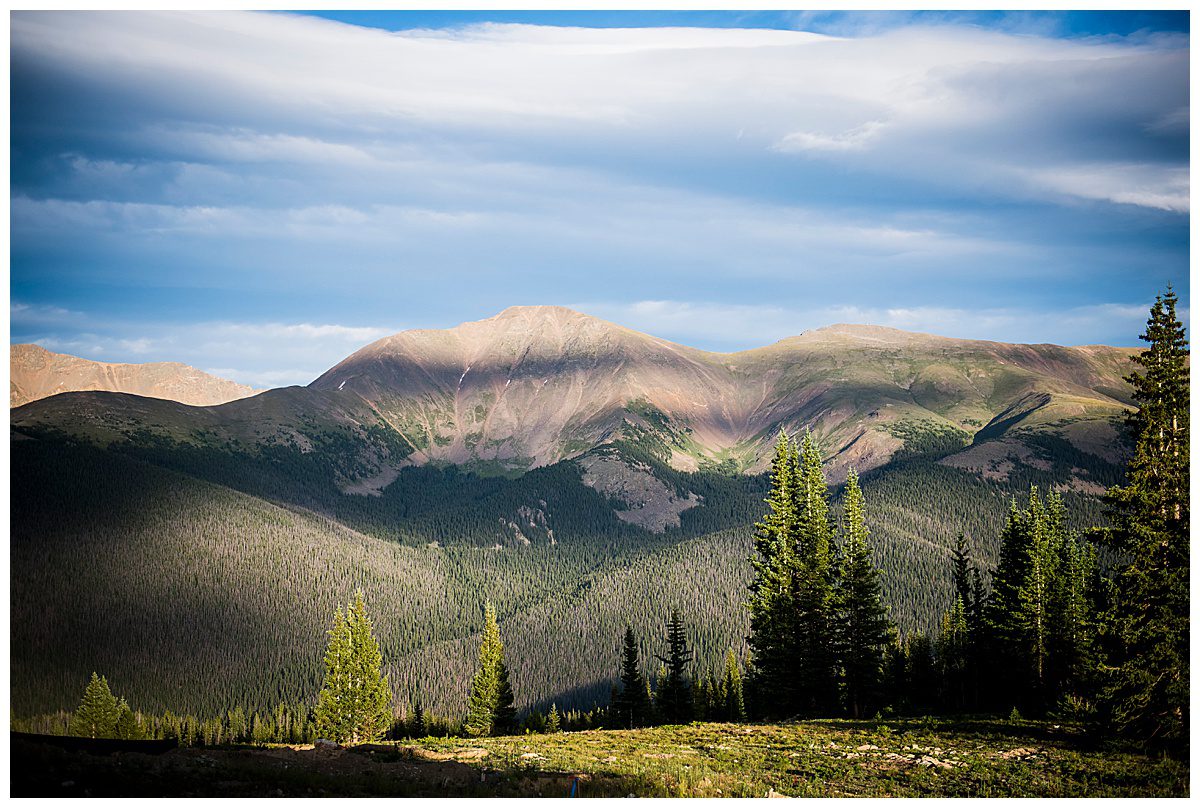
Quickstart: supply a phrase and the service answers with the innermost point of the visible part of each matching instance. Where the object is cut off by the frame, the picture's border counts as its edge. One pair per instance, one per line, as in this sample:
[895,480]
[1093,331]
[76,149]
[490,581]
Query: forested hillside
[195,554]
[192,595]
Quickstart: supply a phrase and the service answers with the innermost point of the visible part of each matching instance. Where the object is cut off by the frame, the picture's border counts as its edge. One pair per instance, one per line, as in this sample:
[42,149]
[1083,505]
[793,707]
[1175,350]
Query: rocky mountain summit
[535,385]
[37,373]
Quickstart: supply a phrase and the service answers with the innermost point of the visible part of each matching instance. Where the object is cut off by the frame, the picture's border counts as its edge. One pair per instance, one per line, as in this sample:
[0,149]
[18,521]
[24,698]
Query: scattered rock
[865,747]
[325,744]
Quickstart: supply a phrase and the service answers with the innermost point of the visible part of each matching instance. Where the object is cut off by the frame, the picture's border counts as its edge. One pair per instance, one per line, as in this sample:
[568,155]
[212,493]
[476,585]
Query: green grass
[920,757]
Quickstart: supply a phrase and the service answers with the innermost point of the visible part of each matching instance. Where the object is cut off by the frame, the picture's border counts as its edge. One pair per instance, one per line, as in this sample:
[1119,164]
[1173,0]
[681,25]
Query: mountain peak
[38,373]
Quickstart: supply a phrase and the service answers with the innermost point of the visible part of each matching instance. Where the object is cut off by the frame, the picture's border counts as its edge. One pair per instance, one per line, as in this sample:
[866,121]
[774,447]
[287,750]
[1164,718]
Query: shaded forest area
[242,587]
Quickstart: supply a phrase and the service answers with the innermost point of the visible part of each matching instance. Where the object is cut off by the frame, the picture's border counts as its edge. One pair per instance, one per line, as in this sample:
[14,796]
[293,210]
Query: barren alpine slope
[538,384]
[37,373]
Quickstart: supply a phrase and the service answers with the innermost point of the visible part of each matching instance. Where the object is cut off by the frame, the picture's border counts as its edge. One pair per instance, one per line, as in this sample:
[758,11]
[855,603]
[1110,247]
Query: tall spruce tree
[772,596]
[731,685]
[127,727]
[490,706]
[813,583]
[862,626]
[1045,527]
[1004,653]
[953,656]
[1040,616]
[354,706]
[1147,692]
[631,705]
[416,726]
[98,712]
[675,693]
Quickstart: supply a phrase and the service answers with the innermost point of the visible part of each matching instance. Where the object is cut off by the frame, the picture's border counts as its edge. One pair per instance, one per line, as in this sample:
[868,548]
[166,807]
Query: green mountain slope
[194,596]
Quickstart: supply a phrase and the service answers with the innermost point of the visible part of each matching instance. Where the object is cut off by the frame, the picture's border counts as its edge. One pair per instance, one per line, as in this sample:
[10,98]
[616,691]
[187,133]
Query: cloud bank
[236,167]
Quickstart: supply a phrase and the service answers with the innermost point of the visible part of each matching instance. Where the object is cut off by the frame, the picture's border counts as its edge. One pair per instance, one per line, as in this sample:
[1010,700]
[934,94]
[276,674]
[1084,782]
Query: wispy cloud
[738,327]
[258,354]
[273,168]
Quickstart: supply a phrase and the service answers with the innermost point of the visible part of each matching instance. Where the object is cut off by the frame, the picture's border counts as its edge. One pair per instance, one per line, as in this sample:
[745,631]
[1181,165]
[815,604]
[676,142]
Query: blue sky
[259,194]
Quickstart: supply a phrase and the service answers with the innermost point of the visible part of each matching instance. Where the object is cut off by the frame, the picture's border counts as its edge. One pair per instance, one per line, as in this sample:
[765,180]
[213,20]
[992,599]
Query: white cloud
[29,314]
[738,327]
[1151,186]
[856,139]
[283,89]
[454,172]
[258,354]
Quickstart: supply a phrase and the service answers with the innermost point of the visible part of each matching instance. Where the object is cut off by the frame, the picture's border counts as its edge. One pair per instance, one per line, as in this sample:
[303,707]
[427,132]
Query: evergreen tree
[127,727]
[963,669]
[952,655]
[1072,637]
[1005,662]
[553,722]
[862,625]
[772,601]
[660,688]
[416,727]
[675,695]
[1044,526]
[354,706]
[506,713]
[731,686]
[921,672]
[1039,618]
[1147,693]
[490,707]
[813,583]
[963,589]
[97,714]
[631,705]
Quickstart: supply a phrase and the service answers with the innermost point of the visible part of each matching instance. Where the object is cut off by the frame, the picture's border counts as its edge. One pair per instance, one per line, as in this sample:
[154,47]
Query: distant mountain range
[579,474]
[538,384]
[36,373]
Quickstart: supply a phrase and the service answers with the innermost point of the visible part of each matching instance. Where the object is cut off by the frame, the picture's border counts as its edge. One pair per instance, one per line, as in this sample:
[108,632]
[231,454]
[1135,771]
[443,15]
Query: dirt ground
[40,770]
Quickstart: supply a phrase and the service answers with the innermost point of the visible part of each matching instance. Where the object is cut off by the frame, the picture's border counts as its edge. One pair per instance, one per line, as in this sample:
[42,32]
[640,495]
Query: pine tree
[416,727]
[675,696]
[952,655]
[354,706]
[553,722]
[862,625]
[127,727]
[921,672]
[97,714]
[731,685]
[490,707]
[505,722]
[631,706]
[1148,692]
[962,573]
[772,601]
[814,657]
[1004,657]
[660,688]
[1045,526]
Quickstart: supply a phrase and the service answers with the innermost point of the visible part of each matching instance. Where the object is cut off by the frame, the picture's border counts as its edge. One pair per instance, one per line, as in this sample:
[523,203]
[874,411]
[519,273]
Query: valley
[236,522]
